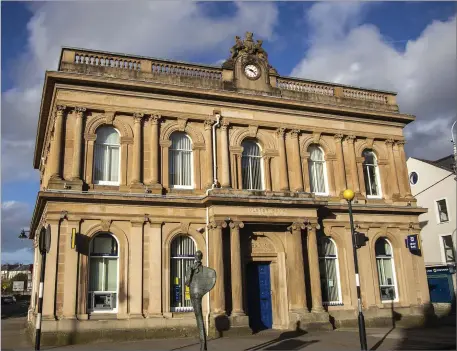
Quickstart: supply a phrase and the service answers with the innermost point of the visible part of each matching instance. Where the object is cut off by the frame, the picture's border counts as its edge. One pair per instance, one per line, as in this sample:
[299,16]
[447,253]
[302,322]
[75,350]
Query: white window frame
[337,264]
[191,186]
[262,170]
[443,255]
[438,220]
[179,309]
[394,269]
[114,310]
[326,193]
[378,177]
[409,177]
[107,182]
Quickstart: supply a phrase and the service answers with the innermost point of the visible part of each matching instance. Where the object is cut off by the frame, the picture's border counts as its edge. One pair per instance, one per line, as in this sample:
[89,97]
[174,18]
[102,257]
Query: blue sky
[408,47]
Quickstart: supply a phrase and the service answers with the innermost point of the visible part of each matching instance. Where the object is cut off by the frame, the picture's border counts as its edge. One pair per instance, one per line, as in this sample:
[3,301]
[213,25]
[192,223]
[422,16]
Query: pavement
[440,338]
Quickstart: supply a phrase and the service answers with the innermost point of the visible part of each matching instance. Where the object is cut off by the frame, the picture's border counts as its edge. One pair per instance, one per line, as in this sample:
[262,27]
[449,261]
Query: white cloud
[15,216]
[424,74]
[168,29]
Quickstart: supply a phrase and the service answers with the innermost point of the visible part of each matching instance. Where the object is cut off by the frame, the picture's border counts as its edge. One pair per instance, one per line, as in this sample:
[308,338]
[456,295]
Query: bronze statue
[237,47]
[247,46]
[200,280]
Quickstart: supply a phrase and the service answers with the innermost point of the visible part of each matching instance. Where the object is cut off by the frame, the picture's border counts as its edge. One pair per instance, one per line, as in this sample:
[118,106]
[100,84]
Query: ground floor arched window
[103,274]
[329,271]
[386,270]
[182,256]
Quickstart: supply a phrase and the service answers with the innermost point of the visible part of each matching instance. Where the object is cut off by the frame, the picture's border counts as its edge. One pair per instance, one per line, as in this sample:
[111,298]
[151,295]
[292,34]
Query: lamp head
[348,194]
[22,235]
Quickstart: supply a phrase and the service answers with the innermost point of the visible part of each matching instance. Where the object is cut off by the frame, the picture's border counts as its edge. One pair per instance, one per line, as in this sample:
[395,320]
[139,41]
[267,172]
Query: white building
[433,184]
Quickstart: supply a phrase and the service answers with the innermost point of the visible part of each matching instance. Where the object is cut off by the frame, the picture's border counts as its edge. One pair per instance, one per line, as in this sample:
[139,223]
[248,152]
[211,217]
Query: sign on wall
[18,286]
[413,242]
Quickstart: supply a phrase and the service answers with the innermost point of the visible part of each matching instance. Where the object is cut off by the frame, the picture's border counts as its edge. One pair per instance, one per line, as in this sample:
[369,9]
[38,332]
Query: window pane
[182,253]
[104,244]
[387,293]
[96,274]
[442,210]
[107,135]
[180,160]
[111,274]
[330,265]
[373,180]
[100,161]
[114,164]
[449,253]
[251,167]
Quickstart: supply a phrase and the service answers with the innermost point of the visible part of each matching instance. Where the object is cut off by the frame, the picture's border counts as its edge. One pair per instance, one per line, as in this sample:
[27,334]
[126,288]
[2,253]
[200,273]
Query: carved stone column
[305,168]
[350,139]
[235,258]
[209,153]
[57,144]
[403,169]
[359,161]
[341,173]
[297,171]
[315,278]
[283,173]
[135,281]
[225,176]
[77,145]
[136,174]
[154,153]
[267,164]
[218,293]
[392,170]
[295,267]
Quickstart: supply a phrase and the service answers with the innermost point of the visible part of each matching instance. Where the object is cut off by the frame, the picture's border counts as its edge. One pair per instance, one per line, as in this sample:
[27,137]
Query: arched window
[180,161]
[329,271]
[386,270]
[103,273]
[317,170]
[182,255]
[106,158]
[371,174]
[251,166]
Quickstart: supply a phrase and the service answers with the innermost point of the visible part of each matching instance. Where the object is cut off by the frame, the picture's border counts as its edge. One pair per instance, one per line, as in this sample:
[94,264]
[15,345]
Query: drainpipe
[218,118]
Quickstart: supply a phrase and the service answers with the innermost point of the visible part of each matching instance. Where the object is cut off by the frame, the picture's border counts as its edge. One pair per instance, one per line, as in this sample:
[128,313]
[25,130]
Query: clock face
[252,71]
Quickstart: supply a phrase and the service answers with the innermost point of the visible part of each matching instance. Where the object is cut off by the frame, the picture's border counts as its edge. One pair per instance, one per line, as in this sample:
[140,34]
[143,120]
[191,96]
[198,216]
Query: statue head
[249,35]
[259,41]
[198,256]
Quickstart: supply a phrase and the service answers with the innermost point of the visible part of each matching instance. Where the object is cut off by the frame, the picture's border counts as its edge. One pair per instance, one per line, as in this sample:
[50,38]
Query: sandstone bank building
[149,160]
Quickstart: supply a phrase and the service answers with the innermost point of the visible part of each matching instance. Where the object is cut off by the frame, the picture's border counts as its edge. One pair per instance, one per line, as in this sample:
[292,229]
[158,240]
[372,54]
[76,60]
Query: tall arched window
[371,174]
[317,170]
[386,270]
[329,271]
[251,166]
[182,255]
[180,161]
[103,273]
[106,158]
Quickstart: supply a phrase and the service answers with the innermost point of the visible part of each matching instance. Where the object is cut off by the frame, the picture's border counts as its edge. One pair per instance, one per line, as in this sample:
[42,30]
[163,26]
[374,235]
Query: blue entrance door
[440,286]
[259,296]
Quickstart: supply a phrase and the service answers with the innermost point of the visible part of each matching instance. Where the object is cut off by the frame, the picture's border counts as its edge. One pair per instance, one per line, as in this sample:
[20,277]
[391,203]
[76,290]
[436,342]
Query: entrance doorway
[259,296]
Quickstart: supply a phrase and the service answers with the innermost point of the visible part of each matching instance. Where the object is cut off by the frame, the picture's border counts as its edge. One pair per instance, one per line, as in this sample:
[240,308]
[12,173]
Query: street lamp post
[44,243]
[349,196]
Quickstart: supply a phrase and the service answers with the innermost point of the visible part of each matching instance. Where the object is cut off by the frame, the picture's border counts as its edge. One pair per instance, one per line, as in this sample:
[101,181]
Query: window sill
[98,316]
[335,303]
[106,187]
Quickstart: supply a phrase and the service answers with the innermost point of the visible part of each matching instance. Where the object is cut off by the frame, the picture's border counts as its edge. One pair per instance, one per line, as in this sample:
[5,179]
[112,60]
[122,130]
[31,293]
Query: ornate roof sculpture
[248,47]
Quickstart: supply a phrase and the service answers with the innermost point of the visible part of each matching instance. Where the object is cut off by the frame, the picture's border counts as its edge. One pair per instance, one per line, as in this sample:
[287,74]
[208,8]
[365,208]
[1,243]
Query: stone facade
[146,101]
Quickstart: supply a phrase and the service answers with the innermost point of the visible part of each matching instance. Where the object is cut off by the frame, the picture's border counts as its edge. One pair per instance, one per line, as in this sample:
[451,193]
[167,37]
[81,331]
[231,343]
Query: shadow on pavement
[435,333]
[285,341]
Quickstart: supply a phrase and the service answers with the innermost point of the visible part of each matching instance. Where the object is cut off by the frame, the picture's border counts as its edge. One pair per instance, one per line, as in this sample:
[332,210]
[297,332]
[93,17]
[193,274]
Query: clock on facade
[252,71]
